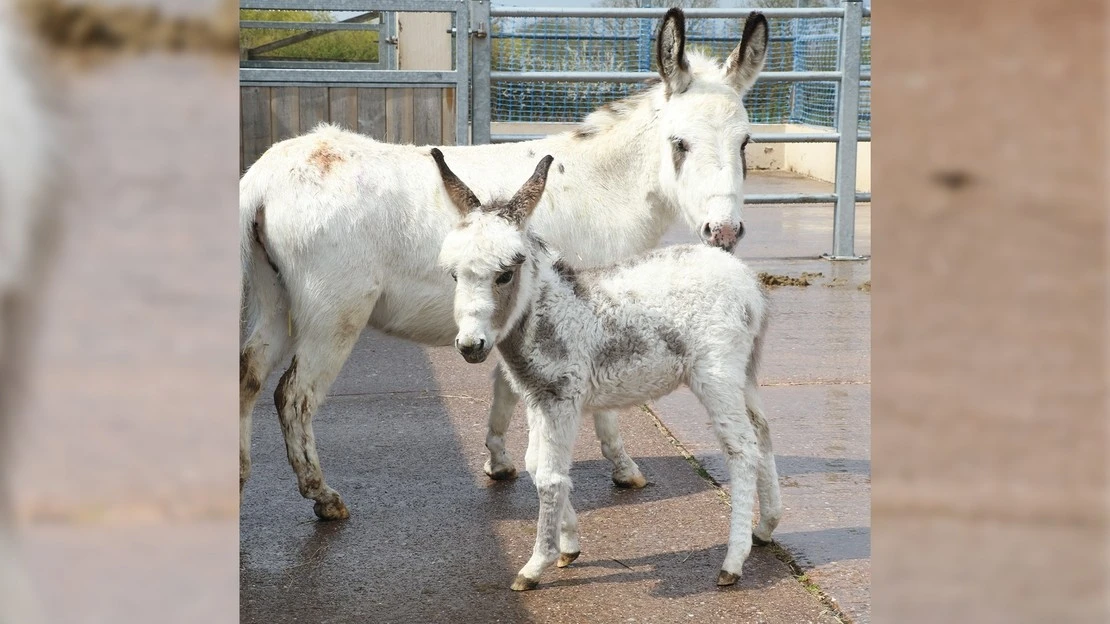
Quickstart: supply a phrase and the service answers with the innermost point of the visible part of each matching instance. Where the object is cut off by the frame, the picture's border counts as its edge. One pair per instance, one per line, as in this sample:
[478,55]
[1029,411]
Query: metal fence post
[844,216]
[481,43]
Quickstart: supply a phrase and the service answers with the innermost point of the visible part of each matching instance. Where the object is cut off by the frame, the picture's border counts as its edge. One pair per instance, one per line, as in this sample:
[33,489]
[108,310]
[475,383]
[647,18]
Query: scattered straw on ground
[805,279]
[866,286]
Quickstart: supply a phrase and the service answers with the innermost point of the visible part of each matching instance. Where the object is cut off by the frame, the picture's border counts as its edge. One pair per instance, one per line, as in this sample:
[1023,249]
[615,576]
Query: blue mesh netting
[627,44]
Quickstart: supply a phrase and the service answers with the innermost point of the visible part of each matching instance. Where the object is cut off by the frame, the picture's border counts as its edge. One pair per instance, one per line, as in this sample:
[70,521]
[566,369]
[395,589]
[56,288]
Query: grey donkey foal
[611,338]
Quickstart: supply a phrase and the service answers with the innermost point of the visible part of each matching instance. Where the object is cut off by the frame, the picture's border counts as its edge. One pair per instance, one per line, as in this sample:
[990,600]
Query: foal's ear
[746,61]
[522,204]
[460,194]
[670,51]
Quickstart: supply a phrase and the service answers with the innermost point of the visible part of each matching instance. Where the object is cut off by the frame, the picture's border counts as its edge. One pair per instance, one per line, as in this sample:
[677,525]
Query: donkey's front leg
[555,429]
[626,473]
[499,466]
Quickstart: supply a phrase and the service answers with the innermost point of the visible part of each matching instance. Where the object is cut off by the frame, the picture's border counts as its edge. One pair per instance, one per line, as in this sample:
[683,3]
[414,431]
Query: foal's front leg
[500,466]
[555,426]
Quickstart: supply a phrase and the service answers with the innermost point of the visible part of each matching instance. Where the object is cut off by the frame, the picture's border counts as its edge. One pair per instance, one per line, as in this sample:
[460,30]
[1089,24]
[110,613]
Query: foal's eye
[680,145]
[505,277]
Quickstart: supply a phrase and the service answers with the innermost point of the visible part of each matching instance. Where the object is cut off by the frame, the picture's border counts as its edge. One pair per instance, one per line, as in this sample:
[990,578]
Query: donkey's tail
[262,291]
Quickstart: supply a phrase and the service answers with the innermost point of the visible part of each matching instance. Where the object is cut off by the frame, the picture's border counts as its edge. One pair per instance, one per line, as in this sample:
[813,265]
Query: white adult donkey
[339,231]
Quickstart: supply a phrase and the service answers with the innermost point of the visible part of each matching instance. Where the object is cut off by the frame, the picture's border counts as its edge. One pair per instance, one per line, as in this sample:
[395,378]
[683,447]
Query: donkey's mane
[612,113]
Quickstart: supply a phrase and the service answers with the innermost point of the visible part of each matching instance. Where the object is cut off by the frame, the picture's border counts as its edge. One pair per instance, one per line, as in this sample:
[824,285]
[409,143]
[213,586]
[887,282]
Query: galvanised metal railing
[846,137]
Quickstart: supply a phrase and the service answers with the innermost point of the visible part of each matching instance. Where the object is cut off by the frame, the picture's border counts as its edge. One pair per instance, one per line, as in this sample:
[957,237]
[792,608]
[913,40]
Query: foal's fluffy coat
[574,342]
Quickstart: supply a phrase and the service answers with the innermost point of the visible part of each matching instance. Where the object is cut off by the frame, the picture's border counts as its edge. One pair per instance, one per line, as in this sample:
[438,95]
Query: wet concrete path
[431,539]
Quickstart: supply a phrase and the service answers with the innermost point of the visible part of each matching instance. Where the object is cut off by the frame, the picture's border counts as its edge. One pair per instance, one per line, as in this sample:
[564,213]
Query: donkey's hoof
[759,541]
[334,510]
[566,559]
[725,579]
[501,473]
[523,583]
[634,482]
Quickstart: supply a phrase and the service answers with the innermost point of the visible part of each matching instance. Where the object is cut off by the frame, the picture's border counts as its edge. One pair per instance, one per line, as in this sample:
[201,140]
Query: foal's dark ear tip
[436,154]
[547,160]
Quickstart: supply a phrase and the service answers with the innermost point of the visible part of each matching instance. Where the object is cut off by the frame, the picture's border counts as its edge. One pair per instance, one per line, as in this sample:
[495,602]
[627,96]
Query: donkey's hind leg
[267,344]
[500,466]
[322,344]
[625,471]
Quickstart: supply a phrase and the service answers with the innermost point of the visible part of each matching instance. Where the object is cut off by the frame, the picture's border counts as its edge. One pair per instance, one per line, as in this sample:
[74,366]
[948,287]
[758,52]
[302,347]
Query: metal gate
[471,116]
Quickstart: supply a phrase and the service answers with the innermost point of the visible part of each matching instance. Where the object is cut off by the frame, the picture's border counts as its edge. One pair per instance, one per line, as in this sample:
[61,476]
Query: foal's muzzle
[474,352]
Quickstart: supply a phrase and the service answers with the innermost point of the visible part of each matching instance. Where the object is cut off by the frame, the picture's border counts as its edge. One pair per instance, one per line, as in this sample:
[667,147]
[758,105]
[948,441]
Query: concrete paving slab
[431,539]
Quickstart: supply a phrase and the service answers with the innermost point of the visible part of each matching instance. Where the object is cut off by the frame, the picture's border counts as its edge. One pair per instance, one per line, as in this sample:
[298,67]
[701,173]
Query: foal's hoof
[634,482]
[501,473]
[759,541]
[725,579]
[523,583]
[566,559]
[334,510]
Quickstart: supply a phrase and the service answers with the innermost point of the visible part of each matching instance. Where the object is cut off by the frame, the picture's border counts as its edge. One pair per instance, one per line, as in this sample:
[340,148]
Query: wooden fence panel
[314,107]
[424,116]
[285,109]
[254,122]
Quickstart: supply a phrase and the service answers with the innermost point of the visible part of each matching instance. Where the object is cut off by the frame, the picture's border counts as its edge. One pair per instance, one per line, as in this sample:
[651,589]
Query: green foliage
[343,45]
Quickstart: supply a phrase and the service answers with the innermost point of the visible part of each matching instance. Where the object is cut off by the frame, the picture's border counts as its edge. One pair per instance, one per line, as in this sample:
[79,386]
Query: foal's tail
[262,292]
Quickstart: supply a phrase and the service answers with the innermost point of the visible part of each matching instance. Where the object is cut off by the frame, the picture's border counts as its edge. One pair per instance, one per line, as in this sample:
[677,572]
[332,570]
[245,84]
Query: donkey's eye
[679,145]
[505,277]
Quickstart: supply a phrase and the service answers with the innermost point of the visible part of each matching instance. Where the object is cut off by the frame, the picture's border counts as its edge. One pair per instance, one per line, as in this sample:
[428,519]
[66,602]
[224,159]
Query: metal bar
[758,137]
[579,37]
[844,214]
[659,12]
[287,41]
[282,62]
[433,6]
[387,41]
[481,50]
[565,76]
[364,77]
[798,198]
[329,26]
[462,75]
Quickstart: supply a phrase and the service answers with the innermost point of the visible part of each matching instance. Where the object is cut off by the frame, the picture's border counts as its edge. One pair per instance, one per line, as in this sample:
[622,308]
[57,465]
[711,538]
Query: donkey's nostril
[706,231]
[481,345]
[739,231]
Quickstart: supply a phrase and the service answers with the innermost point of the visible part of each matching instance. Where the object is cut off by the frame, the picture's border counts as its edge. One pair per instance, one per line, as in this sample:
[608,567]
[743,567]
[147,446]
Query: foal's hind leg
[770,501]
[323,344]
[625,471]
[724,399]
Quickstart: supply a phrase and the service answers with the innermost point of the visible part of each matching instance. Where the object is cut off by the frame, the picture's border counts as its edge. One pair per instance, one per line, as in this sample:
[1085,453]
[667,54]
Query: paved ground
[432,539]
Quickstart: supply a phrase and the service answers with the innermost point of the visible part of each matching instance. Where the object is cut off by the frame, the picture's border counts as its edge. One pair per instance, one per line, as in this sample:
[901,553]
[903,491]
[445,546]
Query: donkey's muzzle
[474,352]
[723,235]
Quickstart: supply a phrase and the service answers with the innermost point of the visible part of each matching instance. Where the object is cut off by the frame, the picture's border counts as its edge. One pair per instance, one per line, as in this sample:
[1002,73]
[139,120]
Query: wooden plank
[423,42]
[285,109]
[371,113]
[398,115]
[314,107]
[427,116]
[343,105]
[254,106]
[447,109]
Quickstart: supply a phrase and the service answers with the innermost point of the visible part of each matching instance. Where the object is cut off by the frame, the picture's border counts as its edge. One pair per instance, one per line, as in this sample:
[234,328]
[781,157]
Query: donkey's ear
[461,195]
[670,51]
[522,204]
[746,61]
